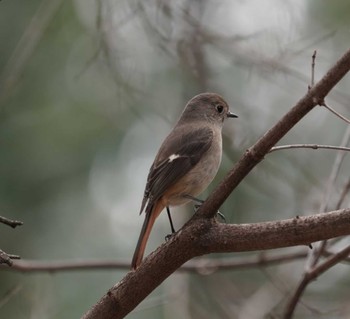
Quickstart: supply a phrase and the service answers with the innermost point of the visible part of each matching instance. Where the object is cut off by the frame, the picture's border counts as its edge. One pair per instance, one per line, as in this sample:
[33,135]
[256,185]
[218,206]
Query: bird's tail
[151,215]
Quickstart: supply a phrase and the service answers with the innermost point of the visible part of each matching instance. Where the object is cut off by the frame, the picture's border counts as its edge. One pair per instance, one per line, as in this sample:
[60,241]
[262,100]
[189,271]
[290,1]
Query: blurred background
[89,89]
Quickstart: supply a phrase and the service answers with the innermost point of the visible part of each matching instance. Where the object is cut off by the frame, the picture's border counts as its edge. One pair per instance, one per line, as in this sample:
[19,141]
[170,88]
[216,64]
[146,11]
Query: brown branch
[320,249]
[207,266]
[312,275]
[315,255]
[201,266]
[278,234]
[345,191]
[205,236]
[189,241]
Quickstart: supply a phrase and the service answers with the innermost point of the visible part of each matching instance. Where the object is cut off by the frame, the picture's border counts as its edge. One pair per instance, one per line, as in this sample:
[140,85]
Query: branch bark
[202,235]
[206,235]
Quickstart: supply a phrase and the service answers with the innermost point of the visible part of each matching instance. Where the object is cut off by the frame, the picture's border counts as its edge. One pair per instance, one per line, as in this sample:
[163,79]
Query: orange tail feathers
[150,218]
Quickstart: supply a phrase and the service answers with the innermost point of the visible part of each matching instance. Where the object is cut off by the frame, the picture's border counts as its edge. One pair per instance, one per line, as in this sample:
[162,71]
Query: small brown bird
[186,162]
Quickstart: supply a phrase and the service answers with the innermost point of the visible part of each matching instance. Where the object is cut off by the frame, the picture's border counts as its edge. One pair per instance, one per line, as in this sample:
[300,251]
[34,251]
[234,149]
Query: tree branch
[205,236]
[312,275]
[336,113]
[10,222]
[315,255]
[201,266]
[312,146]
[7,258]
[277,234]
[190,240]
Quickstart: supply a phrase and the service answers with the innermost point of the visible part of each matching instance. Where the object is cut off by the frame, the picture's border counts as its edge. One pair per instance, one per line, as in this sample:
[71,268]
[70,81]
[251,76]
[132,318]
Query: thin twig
[6,258]
[342,196]
[311,275]
[312,146]
[10,222]
[26,45]
[9,294]
[335,171]
[317,252]
[313,60]
[14,256]
[313,68]
[328,253]
[203,266]
[335,112]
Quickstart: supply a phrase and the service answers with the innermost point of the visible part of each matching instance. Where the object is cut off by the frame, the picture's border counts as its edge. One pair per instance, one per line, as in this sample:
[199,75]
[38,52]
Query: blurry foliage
[88,90]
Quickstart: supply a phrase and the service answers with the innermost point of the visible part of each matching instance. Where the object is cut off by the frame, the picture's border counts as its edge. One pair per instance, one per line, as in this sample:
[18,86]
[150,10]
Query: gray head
[209,107]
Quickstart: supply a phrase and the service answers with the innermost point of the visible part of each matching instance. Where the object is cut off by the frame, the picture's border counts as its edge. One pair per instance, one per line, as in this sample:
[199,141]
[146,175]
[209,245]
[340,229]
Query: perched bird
[186,162]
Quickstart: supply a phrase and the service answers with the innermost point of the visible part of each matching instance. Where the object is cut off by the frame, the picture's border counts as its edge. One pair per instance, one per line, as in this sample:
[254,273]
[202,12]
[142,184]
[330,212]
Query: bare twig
[6,258]
[328,253]
[316,253]
[201,266]
[312,146]
[26,45]
[335,171]
[335,112]
[9,294]
[10,222]
[342,196]
[313,69]
[311,275]
[207,266]
[319,250]
[14,256]
[313,59]
[323,102]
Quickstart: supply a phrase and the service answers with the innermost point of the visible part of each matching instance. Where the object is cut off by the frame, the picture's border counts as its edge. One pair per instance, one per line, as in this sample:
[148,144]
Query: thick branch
[136,285]
[277,234]
[204,236]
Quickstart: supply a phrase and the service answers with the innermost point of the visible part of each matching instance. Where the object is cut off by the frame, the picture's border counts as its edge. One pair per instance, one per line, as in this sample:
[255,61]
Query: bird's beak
[232,115]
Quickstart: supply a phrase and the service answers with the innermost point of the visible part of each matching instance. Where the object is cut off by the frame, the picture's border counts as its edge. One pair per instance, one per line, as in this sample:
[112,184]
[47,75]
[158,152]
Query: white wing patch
[173,157]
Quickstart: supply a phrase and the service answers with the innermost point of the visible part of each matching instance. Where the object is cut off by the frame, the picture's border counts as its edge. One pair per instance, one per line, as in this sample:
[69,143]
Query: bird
[186,163]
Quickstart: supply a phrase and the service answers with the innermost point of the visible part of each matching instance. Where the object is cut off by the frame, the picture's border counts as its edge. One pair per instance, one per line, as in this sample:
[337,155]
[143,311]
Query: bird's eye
[219,108]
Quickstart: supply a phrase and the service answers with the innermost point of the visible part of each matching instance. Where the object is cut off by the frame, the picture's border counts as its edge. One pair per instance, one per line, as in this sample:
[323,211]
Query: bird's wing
[181,151]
